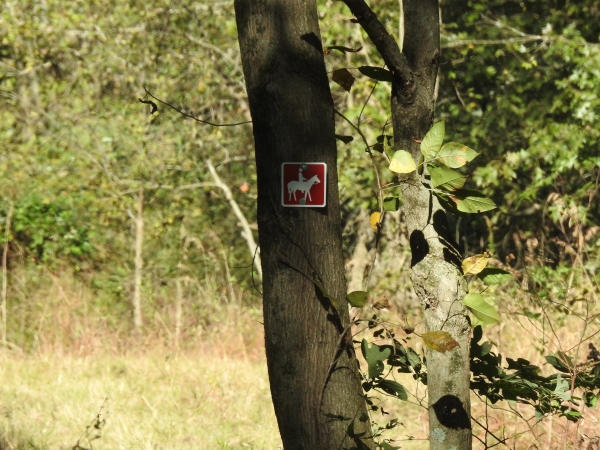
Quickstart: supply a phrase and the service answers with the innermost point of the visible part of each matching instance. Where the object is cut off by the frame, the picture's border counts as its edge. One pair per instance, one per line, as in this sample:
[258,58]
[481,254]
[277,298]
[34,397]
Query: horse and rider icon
[303,184]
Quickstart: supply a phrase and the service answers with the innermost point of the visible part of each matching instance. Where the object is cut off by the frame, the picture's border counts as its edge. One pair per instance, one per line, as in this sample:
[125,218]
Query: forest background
[82,161]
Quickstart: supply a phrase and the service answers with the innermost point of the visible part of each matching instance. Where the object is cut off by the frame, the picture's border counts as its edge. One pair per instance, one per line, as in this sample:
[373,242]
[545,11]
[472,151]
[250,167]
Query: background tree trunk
[293,121]
[139,261]
[436,276]
[7,224]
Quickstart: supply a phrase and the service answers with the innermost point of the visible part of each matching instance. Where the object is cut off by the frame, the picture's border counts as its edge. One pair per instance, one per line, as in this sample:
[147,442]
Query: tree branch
[246,232]
[189,116]
[384,42]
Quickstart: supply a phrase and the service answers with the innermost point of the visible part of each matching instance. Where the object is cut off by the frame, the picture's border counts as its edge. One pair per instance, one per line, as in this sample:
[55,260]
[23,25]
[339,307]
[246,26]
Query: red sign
[303,184]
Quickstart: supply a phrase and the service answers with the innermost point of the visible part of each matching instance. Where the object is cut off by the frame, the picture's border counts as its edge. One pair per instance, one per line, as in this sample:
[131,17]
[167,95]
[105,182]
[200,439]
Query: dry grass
[209,390]
[185,401]
[514,423]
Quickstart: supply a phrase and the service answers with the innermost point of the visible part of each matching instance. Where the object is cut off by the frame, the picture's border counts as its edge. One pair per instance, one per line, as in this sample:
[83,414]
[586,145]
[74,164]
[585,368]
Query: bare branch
[246,232]
[189,116]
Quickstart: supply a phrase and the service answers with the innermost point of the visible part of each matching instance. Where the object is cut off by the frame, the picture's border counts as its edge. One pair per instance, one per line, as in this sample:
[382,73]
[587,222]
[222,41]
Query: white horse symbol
[303,186]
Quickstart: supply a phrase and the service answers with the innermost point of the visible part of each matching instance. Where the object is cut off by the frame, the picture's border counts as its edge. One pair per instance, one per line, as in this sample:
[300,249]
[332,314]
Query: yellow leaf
[402,162]
[475,264]
[440,341]
[374,220]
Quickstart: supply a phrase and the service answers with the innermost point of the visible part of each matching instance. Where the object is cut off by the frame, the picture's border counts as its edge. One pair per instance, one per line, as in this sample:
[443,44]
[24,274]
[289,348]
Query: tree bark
[139,242]
[7,224]
[436,276]
[313,371]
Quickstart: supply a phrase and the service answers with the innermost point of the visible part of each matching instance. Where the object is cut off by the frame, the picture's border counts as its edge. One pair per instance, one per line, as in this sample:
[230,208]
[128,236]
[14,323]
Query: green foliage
[482,310]
[519,381]
[357,299]
[521,83]
[77,146]
[51,231]
[522,382]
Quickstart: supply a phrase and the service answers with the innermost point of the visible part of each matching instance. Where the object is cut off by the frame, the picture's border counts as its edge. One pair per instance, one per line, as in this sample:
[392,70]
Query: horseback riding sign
[303,184]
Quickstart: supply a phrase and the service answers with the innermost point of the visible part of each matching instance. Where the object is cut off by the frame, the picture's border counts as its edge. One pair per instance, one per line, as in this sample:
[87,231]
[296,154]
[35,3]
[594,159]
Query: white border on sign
[283,191]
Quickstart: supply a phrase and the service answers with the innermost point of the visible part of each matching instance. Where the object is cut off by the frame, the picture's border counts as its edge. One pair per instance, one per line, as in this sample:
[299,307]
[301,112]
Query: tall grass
[144,401]
[74,363]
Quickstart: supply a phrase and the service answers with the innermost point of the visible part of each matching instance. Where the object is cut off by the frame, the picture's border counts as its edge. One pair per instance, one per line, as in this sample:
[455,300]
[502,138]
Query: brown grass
[209,388]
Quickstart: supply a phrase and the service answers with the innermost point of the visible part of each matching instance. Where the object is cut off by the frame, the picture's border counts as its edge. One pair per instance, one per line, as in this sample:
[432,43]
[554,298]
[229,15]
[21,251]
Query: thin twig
[189,116]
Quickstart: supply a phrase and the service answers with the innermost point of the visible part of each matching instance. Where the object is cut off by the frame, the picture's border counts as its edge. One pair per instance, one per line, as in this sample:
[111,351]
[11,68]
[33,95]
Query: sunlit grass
[187,401]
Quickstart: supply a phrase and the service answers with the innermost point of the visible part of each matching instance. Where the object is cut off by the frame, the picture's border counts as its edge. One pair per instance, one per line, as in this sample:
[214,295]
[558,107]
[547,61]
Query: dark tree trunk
[436,276]
[293,121]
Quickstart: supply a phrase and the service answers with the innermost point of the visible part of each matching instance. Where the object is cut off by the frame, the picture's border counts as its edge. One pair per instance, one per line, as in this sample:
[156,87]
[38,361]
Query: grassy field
[142,401]
[78,381]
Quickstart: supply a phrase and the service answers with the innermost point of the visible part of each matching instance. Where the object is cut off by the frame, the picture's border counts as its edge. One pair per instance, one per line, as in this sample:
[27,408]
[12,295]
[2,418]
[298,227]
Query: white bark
[246,231]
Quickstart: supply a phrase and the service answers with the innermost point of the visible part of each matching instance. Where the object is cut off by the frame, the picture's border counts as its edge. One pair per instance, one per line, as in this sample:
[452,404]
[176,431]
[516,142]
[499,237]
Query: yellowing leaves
[402,162]
[440,341]
[475,264]
[374,220]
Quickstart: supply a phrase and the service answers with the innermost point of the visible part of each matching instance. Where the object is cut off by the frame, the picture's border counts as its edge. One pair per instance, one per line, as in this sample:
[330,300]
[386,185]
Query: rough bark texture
[360,259]
[436,276]
[293,121]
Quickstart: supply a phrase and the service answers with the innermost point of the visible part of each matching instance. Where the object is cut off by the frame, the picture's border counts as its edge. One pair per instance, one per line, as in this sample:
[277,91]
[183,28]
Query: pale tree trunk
[436,276]
[246,231]
[7,225]
[178,310]
[139,262]
[313,371]
[361,254]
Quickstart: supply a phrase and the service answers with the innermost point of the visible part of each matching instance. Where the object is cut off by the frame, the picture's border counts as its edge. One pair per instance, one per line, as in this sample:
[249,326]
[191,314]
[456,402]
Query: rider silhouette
[300,176]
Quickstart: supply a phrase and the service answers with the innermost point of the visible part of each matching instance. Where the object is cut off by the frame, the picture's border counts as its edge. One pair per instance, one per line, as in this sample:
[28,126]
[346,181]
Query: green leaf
[470,201]
[557,364]
[413,359]
[358,299]
[455,155]
[391,203]
[590,399]
[432,142]
[402,162]
[447,179]
[344,139]
[448,204]
[493,275]
[393,388]
[562,386]
[481,309]
[571,414]
[344,78]
[374,355]
[376,73]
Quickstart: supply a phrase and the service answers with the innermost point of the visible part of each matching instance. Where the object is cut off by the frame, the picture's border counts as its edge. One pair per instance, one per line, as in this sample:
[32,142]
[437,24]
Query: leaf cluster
[521,381]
